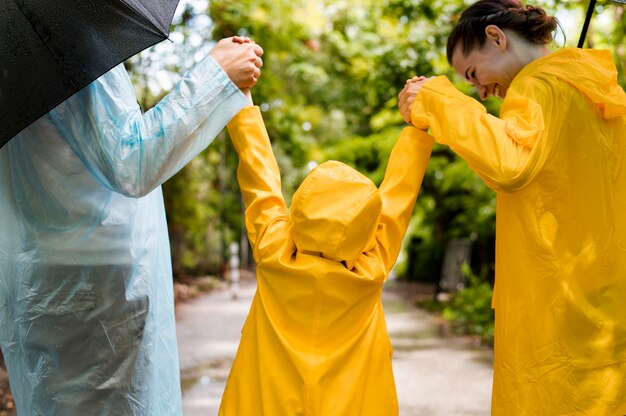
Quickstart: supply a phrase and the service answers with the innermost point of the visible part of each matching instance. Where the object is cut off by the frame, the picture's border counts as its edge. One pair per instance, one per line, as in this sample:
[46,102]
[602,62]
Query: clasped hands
[240,58]
[406,97]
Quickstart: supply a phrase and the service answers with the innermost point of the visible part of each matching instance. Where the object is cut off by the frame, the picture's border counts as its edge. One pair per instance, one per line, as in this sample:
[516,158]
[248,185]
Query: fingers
[407,118]
[256,71]
[404,105]
[258,63]
[241,39]
[403,97]
[247,76]
[258,50]
[251,72]
[415,79]
[407,95]
[240,58]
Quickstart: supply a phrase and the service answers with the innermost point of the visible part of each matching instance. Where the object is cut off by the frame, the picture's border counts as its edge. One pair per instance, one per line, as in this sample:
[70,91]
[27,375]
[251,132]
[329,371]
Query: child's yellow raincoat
[315,341]
[556,158]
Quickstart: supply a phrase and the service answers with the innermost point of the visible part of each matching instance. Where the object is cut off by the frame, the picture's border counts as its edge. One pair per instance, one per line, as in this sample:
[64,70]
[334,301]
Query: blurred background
[329,88]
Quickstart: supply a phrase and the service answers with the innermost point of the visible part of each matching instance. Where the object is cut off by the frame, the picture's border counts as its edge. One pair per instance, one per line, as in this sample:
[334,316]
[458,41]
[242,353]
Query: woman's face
[491,68]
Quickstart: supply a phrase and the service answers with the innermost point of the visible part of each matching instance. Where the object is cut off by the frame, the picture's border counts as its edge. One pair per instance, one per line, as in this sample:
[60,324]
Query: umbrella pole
[583,34]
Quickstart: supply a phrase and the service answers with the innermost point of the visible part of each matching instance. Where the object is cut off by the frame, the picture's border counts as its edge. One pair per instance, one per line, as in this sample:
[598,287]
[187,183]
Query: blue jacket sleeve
[133,153]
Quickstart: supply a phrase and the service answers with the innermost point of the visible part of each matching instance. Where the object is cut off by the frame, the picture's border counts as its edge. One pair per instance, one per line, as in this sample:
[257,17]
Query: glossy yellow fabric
[556,157]
[315,340]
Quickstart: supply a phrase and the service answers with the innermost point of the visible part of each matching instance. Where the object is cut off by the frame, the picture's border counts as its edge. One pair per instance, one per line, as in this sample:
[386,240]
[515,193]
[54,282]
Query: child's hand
[248,94]
[407,96]
[240,58]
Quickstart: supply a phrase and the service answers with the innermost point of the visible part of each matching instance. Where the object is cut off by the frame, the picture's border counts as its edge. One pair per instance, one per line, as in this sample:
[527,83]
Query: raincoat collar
[590,71]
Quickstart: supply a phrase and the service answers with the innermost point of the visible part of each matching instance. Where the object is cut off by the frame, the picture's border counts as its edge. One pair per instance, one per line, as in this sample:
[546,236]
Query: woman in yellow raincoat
[315,340]
[556,158]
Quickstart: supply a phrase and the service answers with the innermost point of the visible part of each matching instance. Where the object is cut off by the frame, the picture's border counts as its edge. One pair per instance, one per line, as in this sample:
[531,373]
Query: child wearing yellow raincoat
[315,340]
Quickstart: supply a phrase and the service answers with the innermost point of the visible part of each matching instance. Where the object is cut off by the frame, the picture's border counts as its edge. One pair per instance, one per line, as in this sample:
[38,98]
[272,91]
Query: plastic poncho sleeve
[403,179]
[259,180]
[505,152]
[133,153]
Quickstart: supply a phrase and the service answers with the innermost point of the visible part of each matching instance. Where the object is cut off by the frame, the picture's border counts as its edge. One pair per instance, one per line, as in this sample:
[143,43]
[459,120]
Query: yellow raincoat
[315,340]
[556,158]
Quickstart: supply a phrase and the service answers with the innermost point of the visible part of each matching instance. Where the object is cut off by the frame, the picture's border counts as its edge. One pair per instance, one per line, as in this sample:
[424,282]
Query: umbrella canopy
[51,49]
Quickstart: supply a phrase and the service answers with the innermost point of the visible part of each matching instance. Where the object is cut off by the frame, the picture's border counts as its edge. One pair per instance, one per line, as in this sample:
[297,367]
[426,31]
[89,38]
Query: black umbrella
[590,9]
[50,49]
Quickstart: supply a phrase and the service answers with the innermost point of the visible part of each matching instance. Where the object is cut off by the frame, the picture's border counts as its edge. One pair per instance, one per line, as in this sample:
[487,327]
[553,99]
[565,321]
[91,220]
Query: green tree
[328,90]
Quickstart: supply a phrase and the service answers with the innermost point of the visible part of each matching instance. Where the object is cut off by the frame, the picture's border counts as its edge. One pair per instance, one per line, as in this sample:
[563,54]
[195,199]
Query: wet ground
[436,374]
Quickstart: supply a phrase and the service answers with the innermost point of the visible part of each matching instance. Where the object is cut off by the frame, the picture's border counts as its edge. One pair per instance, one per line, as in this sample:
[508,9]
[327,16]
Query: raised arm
[259,180]
[131,152]
[505,152]
[403,179]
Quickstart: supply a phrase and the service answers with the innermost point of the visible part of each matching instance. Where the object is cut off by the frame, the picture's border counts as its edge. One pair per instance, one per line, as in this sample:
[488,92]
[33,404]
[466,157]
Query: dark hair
[530,22]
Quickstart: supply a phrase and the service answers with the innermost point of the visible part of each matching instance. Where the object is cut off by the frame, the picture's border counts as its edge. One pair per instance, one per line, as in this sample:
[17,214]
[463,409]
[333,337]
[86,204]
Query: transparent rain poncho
[86,303]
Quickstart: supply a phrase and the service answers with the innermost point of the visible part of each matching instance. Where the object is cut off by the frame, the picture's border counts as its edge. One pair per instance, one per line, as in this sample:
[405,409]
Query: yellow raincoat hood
[335,213]
[556,157]
[598,82]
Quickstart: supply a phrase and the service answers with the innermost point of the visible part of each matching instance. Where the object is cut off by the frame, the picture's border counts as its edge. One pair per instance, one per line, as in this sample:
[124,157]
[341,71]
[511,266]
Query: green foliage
[470,310]
[453,203]
[367,154]
[332,72]
[200,213]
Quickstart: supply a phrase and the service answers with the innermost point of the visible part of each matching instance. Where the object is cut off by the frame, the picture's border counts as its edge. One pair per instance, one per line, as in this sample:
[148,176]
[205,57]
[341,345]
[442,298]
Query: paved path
[436,375]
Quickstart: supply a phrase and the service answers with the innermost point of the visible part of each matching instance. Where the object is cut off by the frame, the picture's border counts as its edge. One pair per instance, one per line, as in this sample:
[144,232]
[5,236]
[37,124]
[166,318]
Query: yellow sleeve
[403,179]
[499,150]
[259,180]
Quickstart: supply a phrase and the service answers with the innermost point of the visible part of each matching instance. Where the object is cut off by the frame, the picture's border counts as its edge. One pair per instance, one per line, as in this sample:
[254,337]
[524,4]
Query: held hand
[240,58]
[406,97]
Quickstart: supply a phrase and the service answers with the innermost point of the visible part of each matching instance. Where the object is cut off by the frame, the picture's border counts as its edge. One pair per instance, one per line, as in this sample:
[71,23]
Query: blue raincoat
[86,303]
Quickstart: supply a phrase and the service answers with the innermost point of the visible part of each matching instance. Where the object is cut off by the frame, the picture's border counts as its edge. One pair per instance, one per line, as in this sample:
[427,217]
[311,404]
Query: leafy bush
[470,310]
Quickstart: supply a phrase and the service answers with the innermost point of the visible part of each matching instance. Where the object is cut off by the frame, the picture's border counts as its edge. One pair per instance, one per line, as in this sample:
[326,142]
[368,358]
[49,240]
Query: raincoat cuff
[249,114]
[209,68]
[422,138]
[421,113]
[248,117]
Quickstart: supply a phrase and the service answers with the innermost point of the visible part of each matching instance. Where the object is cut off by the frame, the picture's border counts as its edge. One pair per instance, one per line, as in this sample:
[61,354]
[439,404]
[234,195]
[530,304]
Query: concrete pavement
[436,374]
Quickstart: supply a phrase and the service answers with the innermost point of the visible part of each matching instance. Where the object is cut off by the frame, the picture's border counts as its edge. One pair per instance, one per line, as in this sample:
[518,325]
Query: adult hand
[406,97]
[240,58]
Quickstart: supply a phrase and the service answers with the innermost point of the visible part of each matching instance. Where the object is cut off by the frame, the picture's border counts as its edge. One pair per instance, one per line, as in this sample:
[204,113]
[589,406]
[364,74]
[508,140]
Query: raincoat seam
[222,86]
[353,218]
[269,249]
[141,17]
[134,137]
